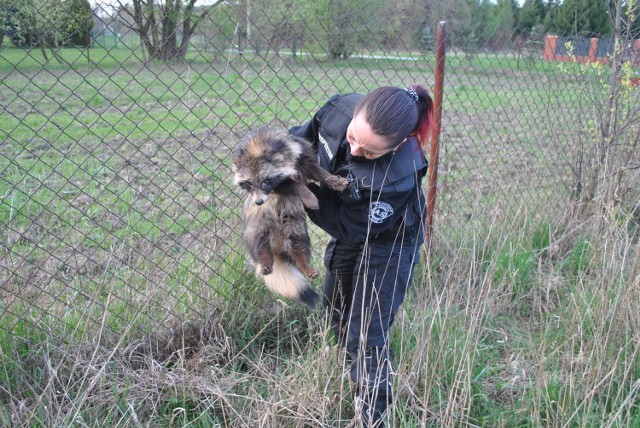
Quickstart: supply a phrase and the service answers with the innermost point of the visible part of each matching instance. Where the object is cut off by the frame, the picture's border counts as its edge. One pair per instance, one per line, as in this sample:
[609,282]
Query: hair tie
[412,93]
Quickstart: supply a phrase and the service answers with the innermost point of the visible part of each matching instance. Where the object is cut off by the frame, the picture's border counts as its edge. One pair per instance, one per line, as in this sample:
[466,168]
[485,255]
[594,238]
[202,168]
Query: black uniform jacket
[390,195]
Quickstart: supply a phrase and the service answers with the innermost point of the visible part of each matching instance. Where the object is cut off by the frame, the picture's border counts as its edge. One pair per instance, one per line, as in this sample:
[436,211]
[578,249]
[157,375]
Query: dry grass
[487,337]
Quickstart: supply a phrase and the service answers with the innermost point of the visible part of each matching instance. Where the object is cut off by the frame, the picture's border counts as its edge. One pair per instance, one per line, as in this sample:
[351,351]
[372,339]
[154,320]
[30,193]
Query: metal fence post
[441,39]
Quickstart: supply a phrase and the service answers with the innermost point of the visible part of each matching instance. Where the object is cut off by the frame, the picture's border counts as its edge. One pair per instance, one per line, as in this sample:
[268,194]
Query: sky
[199,2]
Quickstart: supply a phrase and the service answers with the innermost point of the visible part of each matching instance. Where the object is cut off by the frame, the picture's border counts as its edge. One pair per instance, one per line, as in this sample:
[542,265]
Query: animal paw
[266,270]
[309,200]
[337,183]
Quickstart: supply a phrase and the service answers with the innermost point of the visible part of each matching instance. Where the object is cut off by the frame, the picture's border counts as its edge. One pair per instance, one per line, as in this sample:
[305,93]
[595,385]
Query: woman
[377,142]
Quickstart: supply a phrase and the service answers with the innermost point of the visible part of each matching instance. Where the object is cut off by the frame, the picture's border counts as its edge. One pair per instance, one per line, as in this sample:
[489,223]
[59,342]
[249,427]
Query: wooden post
[441,40]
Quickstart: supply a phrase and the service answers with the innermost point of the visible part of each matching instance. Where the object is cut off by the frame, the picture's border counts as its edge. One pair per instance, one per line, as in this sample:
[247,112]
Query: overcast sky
[198,2]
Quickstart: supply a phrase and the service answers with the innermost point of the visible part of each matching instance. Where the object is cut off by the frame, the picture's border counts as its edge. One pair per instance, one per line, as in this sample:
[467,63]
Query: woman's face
[363,141]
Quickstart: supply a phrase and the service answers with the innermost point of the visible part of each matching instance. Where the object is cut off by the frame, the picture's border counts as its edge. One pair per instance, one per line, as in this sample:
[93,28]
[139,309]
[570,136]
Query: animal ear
[236,154]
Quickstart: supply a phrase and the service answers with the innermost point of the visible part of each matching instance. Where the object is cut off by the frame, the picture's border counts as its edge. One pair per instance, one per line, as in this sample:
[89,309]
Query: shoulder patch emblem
[379,211]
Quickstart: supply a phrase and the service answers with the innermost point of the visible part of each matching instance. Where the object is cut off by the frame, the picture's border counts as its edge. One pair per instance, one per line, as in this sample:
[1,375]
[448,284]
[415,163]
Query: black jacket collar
[406,160]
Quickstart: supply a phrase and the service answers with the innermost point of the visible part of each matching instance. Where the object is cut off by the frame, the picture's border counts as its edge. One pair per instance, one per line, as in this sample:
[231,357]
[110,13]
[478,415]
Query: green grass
[32,59]
[126,298]
[518,367]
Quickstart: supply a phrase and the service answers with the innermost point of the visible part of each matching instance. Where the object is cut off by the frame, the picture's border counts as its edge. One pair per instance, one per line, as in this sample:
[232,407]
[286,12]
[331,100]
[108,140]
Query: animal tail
[286,280]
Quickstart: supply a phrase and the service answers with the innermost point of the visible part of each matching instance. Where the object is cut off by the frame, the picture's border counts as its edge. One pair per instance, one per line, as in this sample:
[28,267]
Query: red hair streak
[422,130]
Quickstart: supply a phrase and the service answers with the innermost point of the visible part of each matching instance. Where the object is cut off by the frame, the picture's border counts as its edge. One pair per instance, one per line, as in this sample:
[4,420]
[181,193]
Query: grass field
[125,298]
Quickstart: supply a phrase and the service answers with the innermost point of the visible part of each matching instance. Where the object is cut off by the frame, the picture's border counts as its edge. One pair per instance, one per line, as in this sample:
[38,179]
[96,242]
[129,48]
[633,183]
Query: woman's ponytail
[422,130]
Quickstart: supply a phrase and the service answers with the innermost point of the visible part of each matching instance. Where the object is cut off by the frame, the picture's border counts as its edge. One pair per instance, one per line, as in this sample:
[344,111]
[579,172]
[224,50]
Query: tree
[551,11]
[277,24]
[532,14]
[631,19]
[402,26]
[47,23]
[77,23]
[515,10]
[582,17]
[607,167]
[465,24]
[23,22]
[343,19]
[505,18]
[9,24]
[165,29]
[500,22]
[35,23]
[426,40]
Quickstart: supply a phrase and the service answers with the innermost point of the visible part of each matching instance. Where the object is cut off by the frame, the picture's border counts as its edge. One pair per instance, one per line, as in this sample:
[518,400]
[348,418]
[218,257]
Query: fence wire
[117,202]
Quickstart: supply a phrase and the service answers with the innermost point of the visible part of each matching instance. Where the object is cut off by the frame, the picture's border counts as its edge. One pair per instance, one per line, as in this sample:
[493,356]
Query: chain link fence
[117,206]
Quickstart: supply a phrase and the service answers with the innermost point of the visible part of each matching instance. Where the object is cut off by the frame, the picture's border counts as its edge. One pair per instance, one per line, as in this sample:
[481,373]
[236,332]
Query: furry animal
[274,168]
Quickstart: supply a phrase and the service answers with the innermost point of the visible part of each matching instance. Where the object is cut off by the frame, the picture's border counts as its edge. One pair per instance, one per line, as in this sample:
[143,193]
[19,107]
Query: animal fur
[274,168]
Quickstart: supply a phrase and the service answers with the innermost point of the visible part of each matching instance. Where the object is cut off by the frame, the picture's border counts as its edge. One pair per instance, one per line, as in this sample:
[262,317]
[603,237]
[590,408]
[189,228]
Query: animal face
[263,160]
[260,189]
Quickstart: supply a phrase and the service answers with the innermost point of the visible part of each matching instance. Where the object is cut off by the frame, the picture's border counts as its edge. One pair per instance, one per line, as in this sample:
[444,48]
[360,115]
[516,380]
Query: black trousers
[364,288]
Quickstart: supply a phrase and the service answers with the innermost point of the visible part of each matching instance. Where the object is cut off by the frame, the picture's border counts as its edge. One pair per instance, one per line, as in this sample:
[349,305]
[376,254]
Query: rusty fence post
[441,40]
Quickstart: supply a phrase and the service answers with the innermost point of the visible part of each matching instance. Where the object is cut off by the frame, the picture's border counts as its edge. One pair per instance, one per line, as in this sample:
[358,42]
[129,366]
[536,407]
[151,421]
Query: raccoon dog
[274,167]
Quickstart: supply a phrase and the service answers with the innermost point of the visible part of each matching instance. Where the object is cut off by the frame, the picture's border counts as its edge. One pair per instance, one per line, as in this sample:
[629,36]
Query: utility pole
[248,23]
